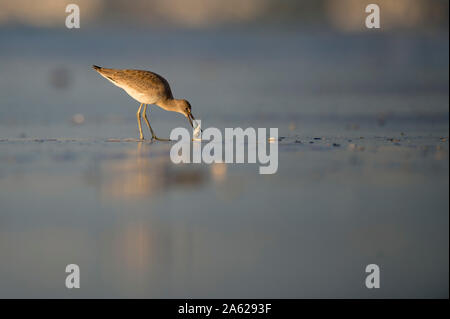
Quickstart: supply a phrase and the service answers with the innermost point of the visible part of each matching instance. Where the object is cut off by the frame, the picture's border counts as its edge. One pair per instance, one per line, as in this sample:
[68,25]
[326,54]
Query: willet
[147,88]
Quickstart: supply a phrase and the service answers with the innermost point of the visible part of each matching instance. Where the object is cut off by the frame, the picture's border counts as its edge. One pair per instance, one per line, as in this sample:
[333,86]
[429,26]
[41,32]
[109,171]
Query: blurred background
[363,161]
[340,14]
[304,58]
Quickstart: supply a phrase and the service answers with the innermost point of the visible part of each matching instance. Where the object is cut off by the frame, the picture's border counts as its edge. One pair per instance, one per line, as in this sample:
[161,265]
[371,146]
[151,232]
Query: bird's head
[184,107]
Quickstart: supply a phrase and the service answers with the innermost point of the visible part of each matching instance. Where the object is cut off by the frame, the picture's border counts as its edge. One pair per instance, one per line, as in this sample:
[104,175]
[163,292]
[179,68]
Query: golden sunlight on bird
[147,88]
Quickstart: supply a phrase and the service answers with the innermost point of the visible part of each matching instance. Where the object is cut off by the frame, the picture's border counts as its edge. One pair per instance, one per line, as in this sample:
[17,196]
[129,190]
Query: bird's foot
[160,139]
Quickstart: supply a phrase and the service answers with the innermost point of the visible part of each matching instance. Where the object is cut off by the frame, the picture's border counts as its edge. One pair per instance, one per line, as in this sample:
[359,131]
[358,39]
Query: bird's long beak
[189,116]
[191,119]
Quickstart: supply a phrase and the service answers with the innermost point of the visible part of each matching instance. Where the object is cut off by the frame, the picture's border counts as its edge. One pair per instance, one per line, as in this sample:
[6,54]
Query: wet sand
[140,226]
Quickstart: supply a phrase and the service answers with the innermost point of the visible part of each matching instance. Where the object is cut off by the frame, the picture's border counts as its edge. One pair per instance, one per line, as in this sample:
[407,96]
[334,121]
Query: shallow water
[140,226]
[362,178]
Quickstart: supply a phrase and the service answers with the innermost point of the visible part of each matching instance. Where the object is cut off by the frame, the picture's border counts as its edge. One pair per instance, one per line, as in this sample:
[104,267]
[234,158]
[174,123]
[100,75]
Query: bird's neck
[168,104]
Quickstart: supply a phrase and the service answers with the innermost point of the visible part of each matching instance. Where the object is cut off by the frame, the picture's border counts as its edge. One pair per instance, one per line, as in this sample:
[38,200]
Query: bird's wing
[139,80]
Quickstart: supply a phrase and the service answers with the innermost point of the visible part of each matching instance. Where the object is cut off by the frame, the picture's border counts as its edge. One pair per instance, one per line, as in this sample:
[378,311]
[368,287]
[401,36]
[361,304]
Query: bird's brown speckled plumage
[144,86]
[147,88]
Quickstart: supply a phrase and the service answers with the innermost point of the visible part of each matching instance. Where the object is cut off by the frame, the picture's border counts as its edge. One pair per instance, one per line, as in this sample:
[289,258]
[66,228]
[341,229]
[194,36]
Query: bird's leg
[138,115]
[146,121]
[151,130]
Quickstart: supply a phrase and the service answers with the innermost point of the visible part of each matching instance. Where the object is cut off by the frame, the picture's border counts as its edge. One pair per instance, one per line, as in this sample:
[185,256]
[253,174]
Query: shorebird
[147,88]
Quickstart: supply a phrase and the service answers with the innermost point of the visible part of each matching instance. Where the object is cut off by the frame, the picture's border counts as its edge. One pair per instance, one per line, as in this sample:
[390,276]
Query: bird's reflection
[148,170]
[150,251]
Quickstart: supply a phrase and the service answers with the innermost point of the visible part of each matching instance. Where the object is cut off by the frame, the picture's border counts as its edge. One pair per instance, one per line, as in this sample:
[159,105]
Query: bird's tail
[106,73]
